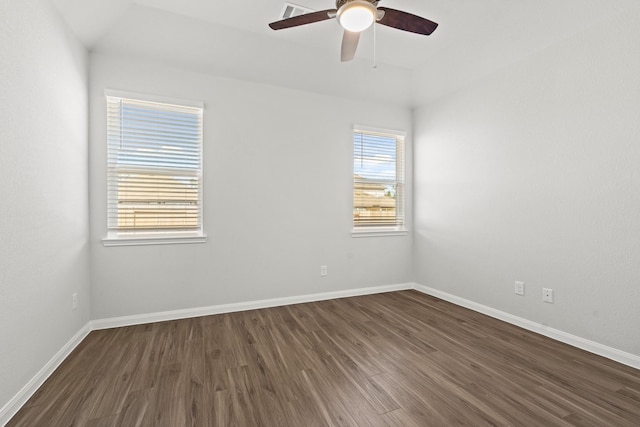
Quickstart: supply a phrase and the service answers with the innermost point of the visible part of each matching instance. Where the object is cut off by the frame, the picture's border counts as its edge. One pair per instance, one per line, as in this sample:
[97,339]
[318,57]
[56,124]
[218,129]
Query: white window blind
[154,167]
[378,180]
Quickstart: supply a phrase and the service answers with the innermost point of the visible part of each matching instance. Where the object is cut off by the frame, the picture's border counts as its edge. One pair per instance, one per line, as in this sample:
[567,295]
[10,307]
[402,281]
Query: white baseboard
[14,405]
[573,340]
[116,322]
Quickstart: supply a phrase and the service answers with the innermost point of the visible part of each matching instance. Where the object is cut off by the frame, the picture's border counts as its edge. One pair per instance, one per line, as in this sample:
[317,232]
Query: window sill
[379,232]
[146,239]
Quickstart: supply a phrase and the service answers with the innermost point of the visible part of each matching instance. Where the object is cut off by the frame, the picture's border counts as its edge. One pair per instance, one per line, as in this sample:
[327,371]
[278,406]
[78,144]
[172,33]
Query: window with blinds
[154,168]
[378,180]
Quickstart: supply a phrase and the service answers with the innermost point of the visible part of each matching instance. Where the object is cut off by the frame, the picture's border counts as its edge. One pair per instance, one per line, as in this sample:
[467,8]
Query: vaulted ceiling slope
[232,39]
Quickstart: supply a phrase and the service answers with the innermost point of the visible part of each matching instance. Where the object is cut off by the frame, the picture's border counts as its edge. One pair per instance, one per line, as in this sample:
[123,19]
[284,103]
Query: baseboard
[117,322]
[573,340]
[13,406]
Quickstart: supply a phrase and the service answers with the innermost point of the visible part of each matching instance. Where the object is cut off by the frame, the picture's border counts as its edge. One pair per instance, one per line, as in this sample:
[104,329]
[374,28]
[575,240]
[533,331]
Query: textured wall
[277,198]
[532,174]
[43,190]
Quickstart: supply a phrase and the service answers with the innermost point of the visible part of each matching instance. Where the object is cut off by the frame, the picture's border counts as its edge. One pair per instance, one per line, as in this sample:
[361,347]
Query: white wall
[533,174]
[43,190]
[277,198]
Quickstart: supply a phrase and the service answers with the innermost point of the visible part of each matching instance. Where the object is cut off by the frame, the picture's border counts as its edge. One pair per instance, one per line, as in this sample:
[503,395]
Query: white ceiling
[231,38]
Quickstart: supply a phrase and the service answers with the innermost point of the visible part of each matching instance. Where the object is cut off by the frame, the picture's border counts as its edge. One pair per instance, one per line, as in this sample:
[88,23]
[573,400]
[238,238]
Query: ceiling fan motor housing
[340,3]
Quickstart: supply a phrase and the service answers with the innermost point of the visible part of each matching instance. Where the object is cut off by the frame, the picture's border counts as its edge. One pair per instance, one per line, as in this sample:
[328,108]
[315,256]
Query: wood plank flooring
[395,359]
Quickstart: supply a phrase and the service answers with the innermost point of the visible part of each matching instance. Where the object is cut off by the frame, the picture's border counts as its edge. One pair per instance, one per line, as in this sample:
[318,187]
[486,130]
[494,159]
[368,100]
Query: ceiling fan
[356,16]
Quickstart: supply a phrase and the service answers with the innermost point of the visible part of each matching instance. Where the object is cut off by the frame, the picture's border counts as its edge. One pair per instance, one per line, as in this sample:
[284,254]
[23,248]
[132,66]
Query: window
[378,181]
[154,170]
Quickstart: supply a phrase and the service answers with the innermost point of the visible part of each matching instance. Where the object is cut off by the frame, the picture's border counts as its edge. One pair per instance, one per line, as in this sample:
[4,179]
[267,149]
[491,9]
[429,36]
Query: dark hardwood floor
[394,359]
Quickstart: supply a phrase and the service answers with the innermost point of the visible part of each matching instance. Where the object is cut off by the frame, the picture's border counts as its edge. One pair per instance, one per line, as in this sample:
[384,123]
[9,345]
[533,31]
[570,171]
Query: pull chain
[375,65]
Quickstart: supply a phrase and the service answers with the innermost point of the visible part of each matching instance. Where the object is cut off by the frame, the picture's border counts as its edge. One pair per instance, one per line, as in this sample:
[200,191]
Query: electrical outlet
[547,295]
[519,288]
[323,270]
[74,301]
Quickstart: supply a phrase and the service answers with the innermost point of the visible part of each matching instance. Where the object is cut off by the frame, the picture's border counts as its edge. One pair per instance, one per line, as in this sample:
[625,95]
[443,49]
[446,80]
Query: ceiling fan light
[356,16]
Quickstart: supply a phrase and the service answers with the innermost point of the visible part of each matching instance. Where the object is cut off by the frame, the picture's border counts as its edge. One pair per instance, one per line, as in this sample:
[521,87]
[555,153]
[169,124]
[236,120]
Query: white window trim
[141,240]
[381,231]
[154,98]
[125,238]
[357,127]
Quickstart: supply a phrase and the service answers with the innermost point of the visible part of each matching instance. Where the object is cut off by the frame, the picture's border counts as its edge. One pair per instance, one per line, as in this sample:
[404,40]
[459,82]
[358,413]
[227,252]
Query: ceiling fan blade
[307,18]
[349,45]
[406,21]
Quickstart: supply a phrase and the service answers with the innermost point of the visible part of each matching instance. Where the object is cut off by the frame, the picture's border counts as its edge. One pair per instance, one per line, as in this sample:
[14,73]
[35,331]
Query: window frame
[158,237]
[383,230]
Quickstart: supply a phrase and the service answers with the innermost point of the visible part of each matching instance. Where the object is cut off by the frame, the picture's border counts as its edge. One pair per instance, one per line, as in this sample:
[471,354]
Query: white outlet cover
[547,295]
[519,288]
